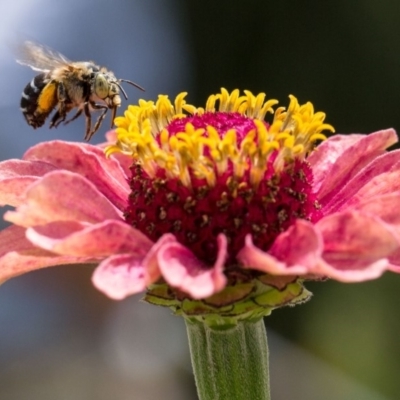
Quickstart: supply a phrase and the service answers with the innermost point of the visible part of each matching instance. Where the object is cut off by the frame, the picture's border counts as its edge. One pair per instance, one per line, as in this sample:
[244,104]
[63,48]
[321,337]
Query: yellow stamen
[143,134]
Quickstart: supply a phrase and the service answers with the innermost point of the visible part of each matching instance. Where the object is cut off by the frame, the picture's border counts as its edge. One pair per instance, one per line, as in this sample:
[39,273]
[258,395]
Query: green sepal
[237,302]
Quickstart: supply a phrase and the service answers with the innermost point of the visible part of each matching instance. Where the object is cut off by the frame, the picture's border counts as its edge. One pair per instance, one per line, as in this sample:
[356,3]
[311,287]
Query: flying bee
[65,85]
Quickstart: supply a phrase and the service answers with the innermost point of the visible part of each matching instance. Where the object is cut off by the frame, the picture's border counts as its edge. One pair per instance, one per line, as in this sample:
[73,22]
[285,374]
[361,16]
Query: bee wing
[39,57]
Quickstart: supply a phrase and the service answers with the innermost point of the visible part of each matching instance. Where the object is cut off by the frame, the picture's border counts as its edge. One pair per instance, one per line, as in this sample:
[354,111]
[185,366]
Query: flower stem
[230,363]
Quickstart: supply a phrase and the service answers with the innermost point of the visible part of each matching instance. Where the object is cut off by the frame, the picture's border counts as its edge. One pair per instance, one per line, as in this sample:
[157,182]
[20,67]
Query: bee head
[103,86]
[107,87]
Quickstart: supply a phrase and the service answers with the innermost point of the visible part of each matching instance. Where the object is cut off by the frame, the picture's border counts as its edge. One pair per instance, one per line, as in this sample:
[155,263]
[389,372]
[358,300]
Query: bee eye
[101,86]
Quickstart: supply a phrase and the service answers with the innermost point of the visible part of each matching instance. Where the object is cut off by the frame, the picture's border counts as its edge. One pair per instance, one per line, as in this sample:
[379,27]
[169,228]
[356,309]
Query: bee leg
[54,119]
[79,112]
[58,117]
[88,133]
[63,108]
[113,112]
[99,120]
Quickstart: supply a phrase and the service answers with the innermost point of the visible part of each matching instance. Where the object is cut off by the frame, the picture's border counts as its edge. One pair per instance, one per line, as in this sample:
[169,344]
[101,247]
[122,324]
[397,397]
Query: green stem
[230,364]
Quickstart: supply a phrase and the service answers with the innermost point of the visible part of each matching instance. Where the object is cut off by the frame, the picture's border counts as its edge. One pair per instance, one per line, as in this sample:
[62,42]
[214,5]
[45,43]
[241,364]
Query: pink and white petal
[394,268]
[124,160]
[219,277]
[394,260]
[380,185]
[386,166]
[183,270]
[111,137]
[16,176]
[356,246]
[333,162]
[252,257]
[300,245]
[100,240]
[62,195]
[325,155]
[294,252]
[385,206]
[16,168]
[121,275]
[89,161]
[19,256]
[151,259]
[363,271]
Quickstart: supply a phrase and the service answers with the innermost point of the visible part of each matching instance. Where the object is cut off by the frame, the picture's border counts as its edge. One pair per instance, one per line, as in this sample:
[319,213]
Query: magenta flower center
[232,206]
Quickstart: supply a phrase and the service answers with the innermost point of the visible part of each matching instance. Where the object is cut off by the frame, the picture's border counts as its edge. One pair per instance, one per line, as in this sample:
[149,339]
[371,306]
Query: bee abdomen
[34,115]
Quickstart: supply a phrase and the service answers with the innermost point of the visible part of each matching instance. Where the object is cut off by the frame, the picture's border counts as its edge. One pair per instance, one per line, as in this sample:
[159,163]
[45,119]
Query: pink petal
[294,252]
[121,275]
[385,206]
[16,176]
[124,160]
[151,259]
[333,160]
[356,246]
[62,195]
[126,274]
[382,184]
[19,256]
[395,261]
[89,161]
[111,136]
[394,268]
[368,271]
[100,240]
[183,270]
[384,170]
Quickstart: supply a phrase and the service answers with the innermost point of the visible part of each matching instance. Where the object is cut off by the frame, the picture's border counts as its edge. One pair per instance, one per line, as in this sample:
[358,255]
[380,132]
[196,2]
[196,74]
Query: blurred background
[59,337]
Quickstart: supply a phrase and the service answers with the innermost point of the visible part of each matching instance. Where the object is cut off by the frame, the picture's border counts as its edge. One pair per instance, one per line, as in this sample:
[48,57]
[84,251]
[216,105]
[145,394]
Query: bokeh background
[59,337]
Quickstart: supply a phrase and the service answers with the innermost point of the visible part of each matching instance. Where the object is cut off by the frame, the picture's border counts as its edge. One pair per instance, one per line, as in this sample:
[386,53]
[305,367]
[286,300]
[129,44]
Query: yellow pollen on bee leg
[48,97]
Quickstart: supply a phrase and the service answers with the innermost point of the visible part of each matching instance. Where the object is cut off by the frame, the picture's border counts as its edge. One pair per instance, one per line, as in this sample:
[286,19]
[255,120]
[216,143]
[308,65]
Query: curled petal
[62,195]
[151,259]
[89,161]
[333,161]
[100,240]
[359,271]
[357,246]
[183,270]
[126,274]
[294,252]
[16,176]
[121,275]
[25,257]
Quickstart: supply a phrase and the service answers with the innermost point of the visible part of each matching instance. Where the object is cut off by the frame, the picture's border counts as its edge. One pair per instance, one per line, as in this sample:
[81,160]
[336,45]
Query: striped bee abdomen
[38,99]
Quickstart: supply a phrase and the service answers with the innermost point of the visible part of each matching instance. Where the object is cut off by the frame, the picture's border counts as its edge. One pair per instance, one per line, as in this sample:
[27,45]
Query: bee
[65,85]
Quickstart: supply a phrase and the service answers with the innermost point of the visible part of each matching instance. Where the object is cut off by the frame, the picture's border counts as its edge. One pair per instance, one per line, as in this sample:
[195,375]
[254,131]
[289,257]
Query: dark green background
[344,56]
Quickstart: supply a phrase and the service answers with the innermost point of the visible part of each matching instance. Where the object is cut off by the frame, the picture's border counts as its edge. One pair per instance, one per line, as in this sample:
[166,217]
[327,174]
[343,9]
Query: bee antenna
[121,89]
[132,83]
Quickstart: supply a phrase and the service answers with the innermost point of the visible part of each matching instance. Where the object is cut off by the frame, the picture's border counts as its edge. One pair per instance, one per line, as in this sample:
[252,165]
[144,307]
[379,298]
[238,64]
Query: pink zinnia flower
[212,203]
